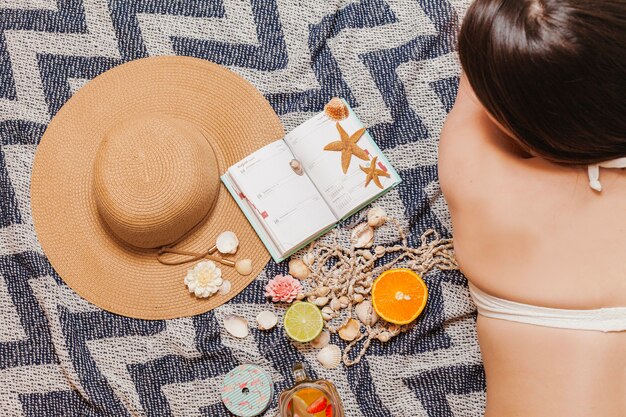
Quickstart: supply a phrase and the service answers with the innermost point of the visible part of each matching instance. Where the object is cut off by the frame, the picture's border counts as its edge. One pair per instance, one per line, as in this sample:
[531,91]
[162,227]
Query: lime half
[303,321]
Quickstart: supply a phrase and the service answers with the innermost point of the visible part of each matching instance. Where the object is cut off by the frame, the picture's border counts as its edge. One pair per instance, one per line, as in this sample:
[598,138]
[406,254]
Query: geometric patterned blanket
[394,61]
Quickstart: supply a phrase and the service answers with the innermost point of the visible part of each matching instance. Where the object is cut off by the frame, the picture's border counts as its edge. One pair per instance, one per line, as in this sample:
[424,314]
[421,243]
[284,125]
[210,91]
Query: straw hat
[131,164]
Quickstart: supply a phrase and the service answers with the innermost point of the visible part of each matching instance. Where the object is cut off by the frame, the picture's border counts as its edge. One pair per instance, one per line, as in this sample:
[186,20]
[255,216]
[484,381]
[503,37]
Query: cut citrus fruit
[399,295]
[303,321]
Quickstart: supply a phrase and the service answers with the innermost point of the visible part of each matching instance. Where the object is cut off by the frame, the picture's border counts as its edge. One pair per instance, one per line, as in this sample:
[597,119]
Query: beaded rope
[347,274]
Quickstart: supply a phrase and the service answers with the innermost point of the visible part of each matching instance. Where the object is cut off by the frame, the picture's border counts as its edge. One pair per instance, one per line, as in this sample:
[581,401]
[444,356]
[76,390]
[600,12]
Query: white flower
[204,280]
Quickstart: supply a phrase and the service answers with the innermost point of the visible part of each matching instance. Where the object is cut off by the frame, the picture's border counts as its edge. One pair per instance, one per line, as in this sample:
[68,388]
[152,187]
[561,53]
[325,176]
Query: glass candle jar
[307,398]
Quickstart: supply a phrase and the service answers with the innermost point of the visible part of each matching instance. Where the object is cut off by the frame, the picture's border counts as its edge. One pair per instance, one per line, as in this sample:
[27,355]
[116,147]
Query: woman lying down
[531,164]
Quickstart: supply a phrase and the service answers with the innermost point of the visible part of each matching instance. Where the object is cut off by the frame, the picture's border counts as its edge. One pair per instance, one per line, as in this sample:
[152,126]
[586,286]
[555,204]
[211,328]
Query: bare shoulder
[518,216]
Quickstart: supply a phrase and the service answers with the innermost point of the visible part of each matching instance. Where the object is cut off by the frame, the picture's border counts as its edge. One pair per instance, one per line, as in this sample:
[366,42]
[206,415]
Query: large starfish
[348,147]
[373,173]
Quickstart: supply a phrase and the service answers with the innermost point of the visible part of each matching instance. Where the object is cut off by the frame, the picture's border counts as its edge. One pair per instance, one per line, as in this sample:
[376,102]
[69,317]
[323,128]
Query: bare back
[533,232]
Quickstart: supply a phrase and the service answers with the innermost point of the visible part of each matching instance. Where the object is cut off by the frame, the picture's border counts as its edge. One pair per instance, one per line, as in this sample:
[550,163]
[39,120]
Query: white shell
[298,269]
[335,304]
[308,258]
[321,341]
[227,242]
[358,298]
[330,356]
[383,337]
[379,250]
[376,216]
[225,287]
[362,236]
[321,301]
[266,320]
[322,291]
[365,312]
[344,301]
[244,266]
[350,330]
[327,313]
[236,326]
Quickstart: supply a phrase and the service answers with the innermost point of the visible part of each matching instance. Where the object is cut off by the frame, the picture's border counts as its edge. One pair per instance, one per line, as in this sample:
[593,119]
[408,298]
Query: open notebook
[293,190]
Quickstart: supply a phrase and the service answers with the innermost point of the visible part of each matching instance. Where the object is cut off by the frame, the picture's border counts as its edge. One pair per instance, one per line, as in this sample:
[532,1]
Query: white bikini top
[594,171]
[602,319]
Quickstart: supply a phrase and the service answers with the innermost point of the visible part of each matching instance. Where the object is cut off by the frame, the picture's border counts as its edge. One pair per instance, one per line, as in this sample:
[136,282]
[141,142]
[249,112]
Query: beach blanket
[394,61]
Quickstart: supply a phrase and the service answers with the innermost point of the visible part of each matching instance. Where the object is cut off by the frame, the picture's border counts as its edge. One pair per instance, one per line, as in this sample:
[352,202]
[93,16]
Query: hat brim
[131,282]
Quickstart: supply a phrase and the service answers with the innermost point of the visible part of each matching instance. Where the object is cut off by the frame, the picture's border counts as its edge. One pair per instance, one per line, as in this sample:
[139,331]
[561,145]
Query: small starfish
[348,147]
[373,173]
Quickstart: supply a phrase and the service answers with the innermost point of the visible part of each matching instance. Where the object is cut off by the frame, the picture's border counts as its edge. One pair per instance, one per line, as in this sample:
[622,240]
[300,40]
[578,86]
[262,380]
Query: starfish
[348,147]
[373,173]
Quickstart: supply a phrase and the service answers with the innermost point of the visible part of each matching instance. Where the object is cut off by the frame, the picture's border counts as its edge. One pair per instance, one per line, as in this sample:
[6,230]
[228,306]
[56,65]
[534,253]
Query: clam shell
[266,320]
[227,242]
[298,269]
[225,287]
[362,236]
[330,356]
[322,291]
[344,301]
[321,341]
[376,216]
[350,330]
[365,312]
[383,337]
[236,326]
[321,301]
[336,109]
[244,266]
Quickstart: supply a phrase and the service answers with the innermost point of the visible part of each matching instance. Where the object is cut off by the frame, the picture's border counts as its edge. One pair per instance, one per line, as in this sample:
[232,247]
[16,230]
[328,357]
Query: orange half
[399,295]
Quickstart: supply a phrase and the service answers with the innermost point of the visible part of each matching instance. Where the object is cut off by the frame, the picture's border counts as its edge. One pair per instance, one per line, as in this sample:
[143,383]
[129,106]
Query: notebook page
[342,192]
[288,205]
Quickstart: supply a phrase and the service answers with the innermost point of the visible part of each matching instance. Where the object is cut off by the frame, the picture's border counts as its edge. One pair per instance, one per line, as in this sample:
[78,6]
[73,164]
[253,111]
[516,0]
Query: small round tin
[247,391]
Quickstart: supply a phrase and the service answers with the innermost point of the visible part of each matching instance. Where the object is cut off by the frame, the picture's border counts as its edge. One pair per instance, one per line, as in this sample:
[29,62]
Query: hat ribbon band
[191,256]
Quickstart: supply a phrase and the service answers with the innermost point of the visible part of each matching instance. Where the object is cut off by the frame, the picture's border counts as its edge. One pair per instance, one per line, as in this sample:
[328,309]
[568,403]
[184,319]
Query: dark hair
[553,72]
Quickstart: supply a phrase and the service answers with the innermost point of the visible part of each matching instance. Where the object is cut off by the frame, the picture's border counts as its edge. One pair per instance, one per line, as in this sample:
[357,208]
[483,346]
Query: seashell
[383,336]
[227,242]
[367,255]
[300,296]
[225,287]
[362,236]
[336,109]
[296,166]
[266,320]
[350,330]
[311,298]
[329,357]
[298,269]
[322,291]
[379,250]
[308,258]
[328,313]
[344,301]
[321,341]
[244,266]
[335,304]
[365,312]
[236,326]
[358,298]
[376,216]
[321,301]
[361,290]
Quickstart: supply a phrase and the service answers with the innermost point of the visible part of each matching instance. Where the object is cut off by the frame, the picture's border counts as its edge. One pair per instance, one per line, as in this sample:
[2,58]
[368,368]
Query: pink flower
[283,288]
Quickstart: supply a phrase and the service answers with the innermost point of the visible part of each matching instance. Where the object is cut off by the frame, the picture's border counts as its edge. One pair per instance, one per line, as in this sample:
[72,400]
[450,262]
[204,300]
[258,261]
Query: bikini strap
[593,171]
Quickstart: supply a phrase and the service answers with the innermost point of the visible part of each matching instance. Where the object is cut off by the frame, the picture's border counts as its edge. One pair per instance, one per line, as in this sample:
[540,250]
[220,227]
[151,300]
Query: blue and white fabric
[393,60]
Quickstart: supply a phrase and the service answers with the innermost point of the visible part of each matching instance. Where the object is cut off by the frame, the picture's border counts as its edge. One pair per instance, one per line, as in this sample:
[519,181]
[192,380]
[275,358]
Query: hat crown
[155,178]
